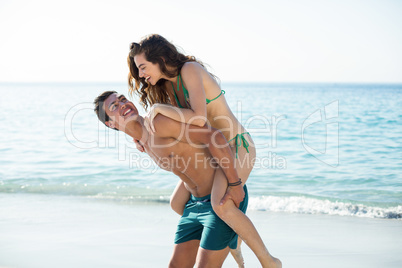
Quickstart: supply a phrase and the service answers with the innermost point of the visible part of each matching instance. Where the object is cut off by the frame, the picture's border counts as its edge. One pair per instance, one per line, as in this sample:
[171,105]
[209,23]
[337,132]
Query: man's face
[120,110]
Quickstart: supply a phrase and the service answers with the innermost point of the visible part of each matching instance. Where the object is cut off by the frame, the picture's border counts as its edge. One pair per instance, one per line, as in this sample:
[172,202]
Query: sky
[358,41]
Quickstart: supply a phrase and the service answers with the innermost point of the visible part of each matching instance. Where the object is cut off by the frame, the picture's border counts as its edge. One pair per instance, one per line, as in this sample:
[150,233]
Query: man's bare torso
[192,163]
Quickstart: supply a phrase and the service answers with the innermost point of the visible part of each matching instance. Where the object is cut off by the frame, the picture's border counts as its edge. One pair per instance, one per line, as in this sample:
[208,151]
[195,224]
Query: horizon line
[227,82]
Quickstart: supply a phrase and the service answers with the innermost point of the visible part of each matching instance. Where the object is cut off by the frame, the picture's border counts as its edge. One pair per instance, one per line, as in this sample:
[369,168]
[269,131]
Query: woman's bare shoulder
[191,67]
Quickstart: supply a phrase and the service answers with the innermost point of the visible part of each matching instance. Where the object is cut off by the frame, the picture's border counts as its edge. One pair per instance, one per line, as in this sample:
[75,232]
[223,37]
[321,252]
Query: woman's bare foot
[273,263]
[278,263]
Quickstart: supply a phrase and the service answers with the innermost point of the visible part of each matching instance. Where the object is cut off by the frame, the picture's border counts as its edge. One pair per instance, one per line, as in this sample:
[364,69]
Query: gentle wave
[306,205]
[132,194]
[110,191]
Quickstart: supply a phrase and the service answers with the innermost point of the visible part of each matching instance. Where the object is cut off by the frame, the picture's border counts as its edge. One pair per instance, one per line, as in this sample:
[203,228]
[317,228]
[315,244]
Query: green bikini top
[186,96]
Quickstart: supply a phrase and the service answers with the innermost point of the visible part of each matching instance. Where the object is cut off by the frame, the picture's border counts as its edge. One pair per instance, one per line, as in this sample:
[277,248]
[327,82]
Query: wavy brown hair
[158,51]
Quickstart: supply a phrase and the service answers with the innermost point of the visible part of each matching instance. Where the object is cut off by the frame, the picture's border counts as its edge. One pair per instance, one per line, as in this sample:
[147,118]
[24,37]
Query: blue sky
[250,41]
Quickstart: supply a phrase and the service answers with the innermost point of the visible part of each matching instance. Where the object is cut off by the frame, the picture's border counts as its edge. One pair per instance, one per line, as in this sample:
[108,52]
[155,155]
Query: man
[205,237]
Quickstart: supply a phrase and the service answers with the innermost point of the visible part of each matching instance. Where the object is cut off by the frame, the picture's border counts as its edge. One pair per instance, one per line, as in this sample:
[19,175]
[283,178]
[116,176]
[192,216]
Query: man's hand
[236,193]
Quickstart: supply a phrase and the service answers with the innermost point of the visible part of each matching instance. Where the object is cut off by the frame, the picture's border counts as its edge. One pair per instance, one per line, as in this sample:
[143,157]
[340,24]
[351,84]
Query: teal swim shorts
[199,222]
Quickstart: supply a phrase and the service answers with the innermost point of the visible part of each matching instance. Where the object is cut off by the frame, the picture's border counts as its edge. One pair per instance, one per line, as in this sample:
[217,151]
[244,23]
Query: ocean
[333,149]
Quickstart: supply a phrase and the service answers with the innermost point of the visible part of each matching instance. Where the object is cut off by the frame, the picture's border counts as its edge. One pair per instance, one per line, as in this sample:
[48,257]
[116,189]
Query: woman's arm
[216,143]
[197,115]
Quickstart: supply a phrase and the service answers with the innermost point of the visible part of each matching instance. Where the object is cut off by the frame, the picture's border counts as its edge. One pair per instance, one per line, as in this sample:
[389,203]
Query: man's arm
[204,136]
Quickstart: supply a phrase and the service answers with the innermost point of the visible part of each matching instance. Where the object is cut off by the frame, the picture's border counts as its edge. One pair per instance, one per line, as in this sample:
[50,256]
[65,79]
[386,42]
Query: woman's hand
[149,118]
[139,146]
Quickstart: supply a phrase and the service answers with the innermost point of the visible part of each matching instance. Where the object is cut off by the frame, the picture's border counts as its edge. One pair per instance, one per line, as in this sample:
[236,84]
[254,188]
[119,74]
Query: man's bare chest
[173,155]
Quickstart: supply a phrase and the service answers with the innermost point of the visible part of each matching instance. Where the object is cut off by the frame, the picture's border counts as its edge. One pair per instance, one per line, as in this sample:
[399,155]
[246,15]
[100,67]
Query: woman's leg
[235,218]
[238,221]
[179,198]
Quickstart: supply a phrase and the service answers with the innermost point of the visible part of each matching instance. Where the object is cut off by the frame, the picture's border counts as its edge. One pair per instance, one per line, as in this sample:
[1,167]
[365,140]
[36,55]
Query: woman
[179,87]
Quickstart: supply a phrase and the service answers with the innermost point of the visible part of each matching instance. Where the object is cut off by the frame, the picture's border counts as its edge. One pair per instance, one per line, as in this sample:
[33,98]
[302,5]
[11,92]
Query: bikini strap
[222,91]
[181,81]
[239,140]
[178,89]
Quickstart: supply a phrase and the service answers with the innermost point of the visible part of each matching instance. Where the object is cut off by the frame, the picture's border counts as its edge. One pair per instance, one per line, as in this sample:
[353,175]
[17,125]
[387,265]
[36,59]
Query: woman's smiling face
[148,70]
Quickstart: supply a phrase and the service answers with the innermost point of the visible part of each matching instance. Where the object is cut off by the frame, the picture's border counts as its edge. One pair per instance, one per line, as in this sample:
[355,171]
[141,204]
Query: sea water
[321,148]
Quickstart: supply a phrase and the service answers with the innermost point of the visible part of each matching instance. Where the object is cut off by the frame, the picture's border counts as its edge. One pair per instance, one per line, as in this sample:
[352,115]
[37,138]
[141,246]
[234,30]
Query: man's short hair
[99,110]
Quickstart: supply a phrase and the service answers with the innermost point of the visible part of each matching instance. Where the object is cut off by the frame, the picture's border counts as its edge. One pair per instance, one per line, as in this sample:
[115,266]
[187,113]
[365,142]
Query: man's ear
[110,124]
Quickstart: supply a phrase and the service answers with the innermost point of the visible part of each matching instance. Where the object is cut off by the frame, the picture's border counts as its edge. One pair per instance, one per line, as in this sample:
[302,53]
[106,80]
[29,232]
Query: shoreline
[70,231]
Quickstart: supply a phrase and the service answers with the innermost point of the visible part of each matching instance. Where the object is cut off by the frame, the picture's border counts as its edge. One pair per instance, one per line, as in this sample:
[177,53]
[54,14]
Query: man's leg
[184,254]
[211,258]
[237,255]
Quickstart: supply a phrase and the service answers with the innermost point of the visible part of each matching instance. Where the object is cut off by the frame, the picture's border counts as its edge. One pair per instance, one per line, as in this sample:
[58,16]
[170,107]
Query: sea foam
[306,205]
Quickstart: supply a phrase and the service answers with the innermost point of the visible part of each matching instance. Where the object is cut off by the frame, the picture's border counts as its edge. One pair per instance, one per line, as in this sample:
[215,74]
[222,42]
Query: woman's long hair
[158,51]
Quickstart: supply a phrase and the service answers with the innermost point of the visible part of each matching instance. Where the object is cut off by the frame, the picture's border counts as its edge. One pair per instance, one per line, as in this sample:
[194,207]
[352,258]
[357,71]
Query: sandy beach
[64,231]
